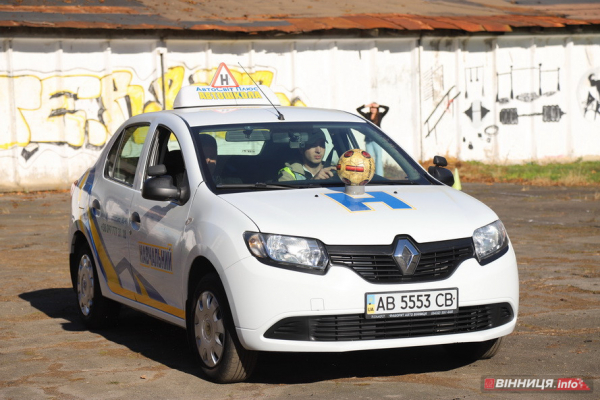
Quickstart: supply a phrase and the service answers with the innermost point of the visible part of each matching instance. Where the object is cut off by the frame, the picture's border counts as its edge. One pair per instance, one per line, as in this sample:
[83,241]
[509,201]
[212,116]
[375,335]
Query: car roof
[205,116]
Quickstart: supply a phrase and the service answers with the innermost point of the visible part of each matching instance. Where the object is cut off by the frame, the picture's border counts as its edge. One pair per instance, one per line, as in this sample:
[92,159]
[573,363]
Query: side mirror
[157,170]
[440,161]
[439,172]
[160,188]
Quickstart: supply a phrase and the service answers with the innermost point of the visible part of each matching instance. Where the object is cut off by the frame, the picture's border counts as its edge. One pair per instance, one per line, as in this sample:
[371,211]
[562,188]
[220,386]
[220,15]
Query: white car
[249,261]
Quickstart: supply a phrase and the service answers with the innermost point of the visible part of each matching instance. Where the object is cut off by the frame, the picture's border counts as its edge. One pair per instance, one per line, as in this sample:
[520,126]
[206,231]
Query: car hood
[425,213]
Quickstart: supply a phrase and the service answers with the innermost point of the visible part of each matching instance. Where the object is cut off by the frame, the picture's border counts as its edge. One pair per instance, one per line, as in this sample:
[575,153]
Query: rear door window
[124,156]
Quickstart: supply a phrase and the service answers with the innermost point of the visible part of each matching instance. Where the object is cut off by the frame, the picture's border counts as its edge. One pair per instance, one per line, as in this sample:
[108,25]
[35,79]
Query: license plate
[411,304]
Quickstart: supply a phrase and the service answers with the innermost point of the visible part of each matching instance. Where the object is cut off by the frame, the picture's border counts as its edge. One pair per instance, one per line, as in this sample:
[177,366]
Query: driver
[311,166]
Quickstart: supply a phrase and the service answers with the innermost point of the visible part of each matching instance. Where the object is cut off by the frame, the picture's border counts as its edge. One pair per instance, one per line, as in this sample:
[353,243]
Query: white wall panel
[506,99]
[585,73]
[477,140]
[396,85]
[441,96]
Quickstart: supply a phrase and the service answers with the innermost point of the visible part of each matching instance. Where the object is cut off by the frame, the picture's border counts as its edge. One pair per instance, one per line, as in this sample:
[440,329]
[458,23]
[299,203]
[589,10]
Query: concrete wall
[503,99]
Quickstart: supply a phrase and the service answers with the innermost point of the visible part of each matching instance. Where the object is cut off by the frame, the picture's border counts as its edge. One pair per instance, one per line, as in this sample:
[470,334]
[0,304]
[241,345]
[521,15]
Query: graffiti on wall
[588,94]
[83,110]
[474,77]
[485,137]
[546,83]
[477,113]
[433,83]
[550,113]
[475,86]
[71,109]
[442,108]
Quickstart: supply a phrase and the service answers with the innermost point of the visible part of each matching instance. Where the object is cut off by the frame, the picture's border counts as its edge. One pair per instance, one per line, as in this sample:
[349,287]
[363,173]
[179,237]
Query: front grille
[376,263]
[357,327]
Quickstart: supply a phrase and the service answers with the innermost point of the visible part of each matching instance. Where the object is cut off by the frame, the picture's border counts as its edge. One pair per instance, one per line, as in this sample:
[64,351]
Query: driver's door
[157,230]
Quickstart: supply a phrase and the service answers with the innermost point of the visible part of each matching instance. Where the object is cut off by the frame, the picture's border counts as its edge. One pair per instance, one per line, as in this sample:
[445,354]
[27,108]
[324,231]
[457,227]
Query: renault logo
[406,256]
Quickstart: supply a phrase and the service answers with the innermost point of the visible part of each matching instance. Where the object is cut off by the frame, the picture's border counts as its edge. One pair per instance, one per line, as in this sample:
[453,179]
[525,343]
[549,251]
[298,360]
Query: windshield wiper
[258,185]
[392,183]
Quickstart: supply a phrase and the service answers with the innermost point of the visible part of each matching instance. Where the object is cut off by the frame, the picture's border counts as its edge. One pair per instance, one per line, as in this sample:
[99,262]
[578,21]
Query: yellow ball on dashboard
[356,167]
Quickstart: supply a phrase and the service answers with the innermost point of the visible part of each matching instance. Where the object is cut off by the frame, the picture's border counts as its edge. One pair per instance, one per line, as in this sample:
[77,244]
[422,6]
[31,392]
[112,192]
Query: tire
[212,335]
[95,310]
[474,351]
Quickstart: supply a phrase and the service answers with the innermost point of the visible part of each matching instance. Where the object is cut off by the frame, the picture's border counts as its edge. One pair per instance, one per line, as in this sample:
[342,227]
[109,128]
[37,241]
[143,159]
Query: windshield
[297,154]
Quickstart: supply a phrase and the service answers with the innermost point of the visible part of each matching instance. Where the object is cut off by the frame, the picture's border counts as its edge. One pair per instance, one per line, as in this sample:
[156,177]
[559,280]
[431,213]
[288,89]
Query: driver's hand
[325,173]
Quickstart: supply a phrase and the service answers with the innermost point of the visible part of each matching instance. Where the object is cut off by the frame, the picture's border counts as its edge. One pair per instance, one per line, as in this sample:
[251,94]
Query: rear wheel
[212,335]
[474,351]
[95,310]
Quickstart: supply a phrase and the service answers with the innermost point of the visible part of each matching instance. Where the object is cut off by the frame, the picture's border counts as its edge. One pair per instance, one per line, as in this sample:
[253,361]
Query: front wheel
[474,351]
[95,310]
[212,335]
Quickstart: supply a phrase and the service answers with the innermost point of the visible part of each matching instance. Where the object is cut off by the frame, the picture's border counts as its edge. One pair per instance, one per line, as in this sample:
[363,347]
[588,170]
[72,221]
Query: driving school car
[183,217]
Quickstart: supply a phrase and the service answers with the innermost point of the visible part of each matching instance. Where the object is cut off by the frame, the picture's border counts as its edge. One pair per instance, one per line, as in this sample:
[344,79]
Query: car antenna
[279,115]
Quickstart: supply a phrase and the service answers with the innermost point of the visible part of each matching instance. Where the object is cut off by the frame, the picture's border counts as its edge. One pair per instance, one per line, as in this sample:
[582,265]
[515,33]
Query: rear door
[110,202]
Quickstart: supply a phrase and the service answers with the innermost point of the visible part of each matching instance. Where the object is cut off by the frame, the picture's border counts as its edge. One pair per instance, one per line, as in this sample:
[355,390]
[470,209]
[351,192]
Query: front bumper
[262,297]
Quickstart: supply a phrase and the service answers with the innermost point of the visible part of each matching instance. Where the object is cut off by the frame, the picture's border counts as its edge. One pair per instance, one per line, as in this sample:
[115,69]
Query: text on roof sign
[251,94]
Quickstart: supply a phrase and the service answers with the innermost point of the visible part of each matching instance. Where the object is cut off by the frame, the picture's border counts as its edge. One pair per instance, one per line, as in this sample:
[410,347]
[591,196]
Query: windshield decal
[355,203]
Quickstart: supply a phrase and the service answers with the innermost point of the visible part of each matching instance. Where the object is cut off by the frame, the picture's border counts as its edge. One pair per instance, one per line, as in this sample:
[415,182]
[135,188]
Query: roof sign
[225,91]
[223,78]
[207,96]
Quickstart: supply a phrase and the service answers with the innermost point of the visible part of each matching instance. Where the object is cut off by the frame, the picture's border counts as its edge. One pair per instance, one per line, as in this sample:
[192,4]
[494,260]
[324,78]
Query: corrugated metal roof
[299,16]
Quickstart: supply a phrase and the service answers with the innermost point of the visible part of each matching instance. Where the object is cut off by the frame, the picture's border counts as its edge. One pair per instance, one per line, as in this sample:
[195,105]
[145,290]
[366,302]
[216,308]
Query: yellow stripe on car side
[113,279]
[161,306]
[111,275]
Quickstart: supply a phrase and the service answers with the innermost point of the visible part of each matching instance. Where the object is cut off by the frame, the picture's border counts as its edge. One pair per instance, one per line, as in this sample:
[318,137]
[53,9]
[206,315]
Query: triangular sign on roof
[223,78]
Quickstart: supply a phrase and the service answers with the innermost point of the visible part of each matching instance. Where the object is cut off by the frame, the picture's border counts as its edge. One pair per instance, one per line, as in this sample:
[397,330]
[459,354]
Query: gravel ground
[45,352]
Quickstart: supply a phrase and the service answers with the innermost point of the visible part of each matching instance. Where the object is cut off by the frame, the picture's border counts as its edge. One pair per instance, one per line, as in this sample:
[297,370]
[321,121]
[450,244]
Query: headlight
[490,240]
[292,252]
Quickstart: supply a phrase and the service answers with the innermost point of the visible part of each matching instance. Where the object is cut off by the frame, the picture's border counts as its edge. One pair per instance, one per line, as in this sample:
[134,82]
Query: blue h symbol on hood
[359,204]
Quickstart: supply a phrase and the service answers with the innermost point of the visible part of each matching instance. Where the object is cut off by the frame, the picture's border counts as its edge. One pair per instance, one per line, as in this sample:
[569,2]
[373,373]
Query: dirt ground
[45,352]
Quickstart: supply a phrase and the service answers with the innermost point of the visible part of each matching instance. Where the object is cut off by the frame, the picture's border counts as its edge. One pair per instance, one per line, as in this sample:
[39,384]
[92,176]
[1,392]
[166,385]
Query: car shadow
[154,339]
[167,344]
[299,368]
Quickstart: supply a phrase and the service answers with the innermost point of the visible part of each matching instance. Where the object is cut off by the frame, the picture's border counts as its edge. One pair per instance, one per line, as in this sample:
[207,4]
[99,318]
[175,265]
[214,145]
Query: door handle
[135,217]
[96,207]
[135,221]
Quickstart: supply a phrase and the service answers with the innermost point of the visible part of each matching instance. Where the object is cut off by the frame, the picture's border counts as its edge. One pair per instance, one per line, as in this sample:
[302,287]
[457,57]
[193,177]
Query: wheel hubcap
[85,284]
[209,329]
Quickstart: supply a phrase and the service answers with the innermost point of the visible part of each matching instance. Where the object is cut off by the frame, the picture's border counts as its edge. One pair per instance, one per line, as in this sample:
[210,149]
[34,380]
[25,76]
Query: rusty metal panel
[462,23]
[549,22]
[492,24]
[496,27]
[305,25]
[336,23]
[249,27]
[438,23]
[9,23]
[561,22]
[411,23]
[534,21]
[501,20]
[567,21]
[78,14]
[71,9]
[373,22]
